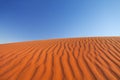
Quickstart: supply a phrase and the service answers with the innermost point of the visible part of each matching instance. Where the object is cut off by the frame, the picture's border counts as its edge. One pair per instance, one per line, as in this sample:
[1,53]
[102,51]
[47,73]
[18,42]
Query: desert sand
[91,58]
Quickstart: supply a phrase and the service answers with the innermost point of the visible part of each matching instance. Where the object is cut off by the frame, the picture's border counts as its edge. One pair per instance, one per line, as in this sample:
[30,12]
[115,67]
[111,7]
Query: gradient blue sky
[24,20]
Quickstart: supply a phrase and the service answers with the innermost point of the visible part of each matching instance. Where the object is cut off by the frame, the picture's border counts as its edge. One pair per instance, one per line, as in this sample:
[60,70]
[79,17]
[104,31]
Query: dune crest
[96,58]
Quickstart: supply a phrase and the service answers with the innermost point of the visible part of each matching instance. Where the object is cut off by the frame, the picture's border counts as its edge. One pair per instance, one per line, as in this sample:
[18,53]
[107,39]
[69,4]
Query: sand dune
[95,58]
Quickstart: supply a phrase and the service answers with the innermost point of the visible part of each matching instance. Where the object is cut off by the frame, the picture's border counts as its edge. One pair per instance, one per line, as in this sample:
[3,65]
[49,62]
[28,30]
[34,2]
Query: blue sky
[24,20]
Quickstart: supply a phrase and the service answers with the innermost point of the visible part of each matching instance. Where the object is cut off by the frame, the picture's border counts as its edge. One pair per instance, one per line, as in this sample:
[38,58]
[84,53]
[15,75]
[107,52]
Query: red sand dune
[95,58]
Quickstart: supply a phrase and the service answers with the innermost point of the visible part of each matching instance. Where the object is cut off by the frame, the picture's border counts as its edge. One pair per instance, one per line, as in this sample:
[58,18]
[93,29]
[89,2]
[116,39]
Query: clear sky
[24,20]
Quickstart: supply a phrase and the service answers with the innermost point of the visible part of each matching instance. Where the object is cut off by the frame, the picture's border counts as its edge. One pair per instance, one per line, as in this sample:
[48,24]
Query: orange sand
[95,58]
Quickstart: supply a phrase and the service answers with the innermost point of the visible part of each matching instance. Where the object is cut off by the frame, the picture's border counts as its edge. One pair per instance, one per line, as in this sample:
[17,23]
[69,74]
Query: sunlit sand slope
[96,58]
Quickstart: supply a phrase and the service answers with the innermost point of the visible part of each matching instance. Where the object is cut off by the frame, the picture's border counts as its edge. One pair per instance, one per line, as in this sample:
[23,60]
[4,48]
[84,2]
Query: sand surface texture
[95,58]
